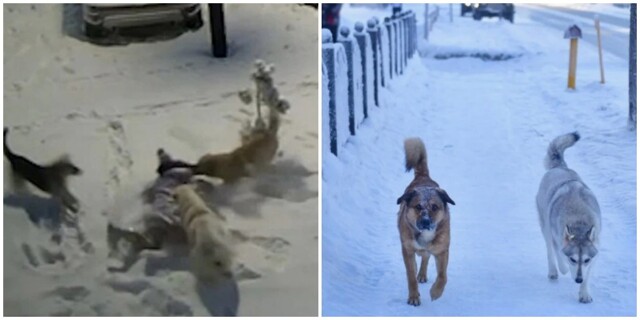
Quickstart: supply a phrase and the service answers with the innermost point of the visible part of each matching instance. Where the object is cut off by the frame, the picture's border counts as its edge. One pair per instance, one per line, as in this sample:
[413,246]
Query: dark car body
[502,10]
[99,19]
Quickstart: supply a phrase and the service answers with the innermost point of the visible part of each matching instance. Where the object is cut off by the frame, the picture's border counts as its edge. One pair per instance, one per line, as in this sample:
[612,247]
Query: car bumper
[138,15]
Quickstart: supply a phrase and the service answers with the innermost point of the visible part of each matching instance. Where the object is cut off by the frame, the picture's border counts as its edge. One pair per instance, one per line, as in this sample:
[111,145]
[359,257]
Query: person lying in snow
[160,219]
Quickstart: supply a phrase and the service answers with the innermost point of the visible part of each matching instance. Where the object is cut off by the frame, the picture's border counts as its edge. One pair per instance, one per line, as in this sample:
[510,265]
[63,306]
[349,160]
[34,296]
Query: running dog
[569,217]
[51,178]
[423,223]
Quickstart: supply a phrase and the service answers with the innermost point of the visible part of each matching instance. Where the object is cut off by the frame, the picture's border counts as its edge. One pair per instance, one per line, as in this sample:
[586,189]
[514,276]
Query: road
[614,29]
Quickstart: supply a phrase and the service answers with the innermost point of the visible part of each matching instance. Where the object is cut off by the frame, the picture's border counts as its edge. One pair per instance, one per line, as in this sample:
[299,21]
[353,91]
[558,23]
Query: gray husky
[569,217]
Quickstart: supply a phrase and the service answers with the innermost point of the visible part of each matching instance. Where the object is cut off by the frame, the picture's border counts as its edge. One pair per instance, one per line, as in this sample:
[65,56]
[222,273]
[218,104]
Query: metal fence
[357,66]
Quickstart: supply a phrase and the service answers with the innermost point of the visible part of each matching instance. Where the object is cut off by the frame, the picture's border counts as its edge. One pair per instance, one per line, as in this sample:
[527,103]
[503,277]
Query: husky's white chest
[421,241]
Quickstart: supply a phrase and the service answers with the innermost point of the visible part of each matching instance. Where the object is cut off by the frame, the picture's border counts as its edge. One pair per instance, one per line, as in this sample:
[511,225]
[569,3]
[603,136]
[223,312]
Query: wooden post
[599,49]
[218,34]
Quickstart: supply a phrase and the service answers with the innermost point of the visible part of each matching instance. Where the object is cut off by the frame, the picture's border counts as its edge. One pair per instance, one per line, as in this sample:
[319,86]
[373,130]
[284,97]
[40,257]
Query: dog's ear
[445,197]
[407,197]
[592,234]
[568,236]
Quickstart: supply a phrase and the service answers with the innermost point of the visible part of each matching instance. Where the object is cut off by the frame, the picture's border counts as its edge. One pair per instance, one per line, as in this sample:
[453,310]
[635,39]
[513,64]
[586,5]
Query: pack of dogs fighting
[178,209]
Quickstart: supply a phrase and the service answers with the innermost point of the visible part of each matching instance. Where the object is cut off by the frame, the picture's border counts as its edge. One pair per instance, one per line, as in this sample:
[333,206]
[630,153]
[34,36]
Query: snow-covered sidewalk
[486,125]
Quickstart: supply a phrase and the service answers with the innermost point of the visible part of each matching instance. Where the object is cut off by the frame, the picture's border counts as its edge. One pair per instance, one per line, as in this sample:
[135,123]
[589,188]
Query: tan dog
[211,252]
[258,149]
[423,222]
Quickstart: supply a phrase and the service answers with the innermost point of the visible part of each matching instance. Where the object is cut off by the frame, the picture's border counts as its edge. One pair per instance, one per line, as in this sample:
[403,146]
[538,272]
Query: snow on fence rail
[356,66]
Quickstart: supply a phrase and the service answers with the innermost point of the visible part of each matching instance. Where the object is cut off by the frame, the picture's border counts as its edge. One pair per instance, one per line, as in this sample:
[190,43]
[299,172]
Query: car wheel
[94,31]
[509,16]
[195,22]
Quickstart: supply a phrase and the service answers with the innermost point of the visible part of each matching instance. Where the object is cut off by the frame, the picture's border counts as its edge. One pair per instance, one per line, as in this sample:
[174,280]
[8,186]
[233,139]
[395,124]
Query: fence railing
[430,18]
[356,67]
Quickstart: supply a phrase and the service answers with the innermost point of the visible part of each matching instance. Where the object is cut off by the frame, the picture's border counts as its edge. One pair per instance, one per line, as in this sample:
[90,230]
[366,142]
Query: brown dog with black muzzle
[423,222]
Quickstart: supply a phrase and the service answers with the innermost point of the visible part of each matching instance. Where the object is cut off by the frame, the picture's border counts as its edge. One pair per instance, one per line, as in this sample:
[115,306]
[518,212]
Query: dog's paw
[585,298]
[422,278]
[553,276]
[414,300]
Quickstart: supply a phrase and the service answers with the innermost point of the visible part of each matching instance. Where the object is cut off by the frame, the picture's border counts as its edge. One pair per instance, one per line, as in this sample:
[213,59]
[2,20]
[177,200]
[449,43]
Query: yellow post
[573,59]
[600,50]
[573,33]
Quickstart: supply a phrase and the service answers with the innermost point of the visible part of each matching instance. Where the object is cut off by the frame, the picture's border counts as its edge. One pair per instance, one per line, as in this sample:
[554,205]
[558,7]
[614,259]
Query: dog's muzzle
[424,223]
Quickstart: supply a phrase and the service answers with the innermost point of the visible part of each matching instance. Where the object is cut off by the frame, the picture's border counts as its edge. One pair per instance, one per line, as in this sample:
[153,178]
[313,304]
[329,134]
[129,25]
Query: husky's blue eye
[587,260]
[573,260]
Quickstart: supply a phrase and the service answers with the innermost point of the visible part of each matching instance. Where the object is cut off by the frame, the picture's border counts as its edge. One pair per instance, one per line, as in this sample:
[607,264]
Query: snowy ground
[486,126]
[110,108]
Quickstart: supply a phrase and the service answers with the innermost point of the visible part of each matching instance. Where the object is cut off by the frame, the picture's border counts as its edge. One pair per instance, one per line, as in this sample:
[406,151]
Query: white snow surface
[486,126]
[110,108]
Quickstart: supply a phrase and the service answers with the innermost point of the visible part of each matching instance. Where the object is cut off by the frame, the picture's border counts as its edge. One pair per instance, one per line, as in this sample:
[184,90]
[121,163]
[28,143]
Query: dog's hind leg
[422,274]
[442,260]
[562,264]
[551,259]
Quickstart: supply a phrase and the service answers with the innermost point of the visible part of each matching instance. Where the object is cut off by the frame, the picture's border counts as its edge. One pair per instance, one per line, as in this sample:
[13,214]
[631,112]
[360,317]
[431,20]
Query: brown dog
[258,149]
[423,222]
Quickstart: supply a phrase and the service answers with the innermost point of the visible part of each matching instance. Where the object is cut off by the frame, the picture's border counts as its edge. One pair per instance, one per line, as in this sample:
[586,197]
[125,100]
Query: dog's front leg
[442,260]
[410,264]
[583,295]
[422,274]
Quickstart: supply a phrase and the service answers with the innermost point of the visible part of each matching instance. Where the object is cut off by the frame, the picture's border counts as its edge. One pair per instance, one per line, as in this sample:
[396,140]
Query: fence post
[333,57]
[398,45]
[381,34]
[426,21]
[407,40]
[632,67]
[389,27]
[217,28]
[363,40]
[414,35]
[372,30]
[352,51]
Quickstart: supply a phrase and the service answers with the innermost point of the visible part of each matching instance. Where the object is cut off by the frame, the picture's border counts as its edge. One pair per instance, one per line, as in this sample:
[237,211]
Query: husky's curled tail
[416,156]
[555,153]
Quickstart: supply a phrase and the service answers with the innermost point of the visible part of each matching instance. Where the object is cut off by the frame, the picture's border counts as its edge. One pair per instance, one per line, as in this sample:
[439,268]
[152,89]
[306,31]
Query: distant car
[331,18]
[100,18]
[466,8]
[502,10]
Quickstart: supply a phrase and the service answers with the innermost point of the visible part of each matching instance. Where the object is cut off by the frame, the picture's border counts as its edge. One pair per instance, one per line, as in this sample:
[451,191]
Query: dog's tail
[416,156]
[7,152]
[555,153]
